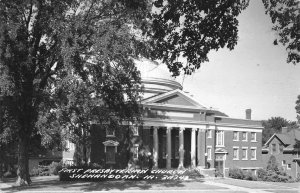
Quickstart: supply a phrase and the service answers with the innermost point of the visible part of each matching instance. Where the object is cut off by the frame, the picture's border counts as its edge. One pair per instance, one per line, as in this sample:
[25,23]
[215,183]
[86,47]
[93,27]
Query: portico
[182,146]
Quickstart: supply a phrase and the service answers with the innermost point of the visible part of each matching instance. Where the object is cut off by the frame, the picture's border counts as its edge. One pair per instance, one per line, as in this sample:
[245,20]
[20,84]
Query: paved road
[52,184]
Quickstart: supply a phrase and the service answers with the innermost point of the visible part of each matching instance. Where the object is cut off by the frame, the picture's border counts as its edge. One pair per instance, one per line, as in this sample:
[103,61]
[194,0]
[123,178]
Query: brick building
[177,132]
[285,147]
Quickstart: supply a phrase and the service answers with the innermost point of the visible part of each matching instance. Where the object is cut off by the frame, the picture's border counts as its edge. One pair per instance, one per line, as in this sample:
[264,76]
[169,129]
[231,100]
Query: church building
[176,132]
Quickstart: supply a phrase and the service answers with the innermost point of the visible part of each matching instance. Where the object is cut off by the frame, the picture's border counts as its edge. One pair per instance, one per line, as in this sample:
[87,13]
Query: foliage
[273,176]
[272,164]
[238,173]
[273,173]
[285,17]
[192,29]
[55,167]
[274,125]
[298,109]
[45,44]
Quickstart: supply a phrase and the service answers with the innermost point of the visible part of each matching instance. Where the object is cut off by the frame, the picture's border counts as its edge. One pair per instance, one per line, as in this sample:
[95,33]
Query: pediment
[174,98]
[110,143]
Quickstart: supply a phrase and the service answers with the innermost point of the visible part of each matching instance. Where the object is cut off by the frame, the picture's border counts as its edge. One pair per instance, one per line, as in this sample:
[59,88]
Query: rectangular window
[283,163]
[220,138]
[110,154]
[244,153]
[253,136]
[280,148]
[135,130]
[235,136]
[110,132]
[136,151]
[208,153]
[289,166]
[235,153]
[209,135]
[274,149]
[70,146]
[244,136]
[253,153]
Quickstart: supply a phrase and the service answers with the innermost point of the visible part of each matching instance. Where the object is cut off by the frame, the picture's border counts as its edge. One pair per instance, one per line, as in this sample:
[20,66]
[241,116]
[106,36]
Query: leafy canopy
[285,15]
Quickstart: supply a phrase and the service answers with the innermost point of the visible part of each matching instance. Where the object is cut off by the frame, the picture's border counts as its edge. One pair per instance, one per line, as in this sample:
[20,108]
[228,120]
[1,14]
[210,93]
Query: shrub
[54,168]
[236,173]
[273,176]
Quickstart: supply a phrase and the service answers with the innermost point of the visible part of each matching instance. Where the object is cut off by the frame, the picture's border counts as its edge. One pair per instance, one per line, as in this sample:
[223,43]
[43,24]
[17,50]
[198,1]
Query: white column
[181,147]
[155,148]
[169,150]
[193,147]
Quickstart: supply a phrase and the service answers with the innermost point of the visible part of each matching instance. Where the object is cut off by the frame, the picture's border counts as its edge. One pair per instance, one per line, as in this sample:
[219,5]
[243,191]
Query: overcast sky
[254,75]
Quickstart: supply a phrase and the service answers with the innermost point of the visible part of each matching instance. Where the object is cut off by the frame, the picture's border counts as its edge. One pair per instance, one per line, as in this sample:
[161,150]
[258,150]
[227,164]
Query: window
[220,138]
[273,149]
[253,136]
[235,136]
[280,148]
[110,132]
[135,130]
[244,153]
[244,136]
[208,153]
[70,146]
[289,166]
[283,163]
[235,153]
[209,135]
[253,153]
[110,154]
[135,151]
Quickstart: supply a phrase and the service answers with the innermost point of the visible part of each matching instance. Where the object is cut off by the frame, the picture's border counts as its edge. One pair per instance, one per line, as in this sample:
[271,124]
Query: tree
[285,17]
[43,42]
[274,125]
[191,29]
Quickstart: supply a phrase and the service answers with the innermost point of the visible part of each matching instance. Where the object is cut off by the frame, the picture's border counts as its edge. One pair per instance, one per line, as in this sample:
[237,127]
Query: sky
[254,75]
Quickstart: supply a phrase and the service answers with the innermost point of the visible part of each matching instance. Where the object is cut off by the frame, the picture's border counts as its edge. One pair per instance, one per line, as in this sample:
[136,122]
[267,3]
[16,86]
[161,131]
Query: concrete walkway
[52,184]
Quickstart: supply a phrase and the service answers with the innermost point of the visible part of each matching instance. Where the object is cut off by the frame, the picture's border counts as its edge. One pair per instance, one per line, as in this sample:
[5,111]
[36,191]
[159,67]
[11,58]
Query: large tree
[285,15]
[42,42]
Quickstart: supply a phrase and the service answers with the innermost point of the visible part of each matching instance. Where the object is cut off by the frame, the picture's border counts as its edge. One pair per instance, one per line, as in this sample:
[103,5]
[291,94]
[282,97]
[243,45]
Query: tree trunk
[23,177]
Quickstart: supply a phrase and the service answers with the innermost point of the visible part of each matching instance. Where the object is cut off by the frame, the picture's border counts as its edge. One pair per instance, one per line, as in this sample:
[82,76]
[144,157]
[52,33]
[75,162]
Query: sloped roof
[288,139]
[285,138]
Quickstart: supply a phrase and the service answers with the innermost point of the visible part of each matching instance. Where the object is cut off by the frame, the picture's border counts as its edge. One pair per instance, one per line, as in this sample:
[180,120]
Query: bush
[236,173]
[273,176]
[54,168]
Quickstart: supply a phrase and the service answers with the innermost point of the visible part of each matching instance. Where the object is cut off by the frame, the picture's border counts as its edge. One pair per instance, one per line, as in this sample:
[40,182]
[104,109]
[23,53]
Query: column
[193,147]
[201,148]
[169,150]
[155,147]
[181,148]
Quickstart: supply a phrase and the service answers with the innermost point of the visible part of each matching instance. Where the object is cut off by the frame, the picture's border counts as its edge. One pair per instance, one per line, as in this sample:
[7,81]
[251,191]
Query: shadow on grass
[53,184]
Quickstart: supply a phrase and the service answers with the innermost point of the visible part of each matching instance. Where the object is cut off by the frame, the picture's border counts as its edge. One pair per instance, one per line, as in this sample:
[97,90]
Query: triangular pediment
[174,98]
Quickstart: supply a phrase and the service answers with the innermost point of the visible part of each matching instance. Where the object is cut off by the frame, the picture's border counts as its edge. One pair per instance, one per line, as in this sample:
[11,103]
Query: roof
[289,139]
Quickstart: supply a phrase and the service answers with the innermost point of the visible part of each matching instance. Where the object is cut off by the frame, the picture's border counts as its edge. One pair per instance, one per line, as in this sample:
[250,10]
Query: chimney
[284,130]
[248,114]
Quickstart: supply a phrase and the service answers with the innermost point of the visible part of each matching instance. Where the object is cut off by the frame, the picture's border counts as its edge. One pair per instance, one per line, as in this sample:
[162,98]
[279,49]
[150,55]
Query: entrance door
[219,166]
[219,163]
